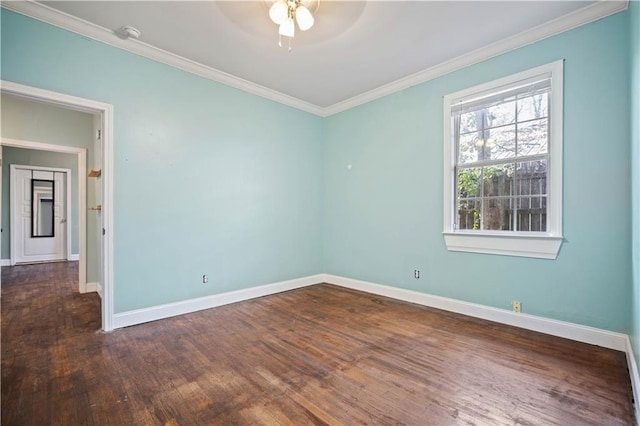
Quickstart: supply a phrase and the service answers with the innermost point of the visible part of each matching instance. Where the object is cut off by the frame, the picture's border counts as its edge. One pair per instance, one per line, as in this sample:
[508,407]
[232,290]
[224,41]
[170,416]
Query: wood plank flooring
[318,355]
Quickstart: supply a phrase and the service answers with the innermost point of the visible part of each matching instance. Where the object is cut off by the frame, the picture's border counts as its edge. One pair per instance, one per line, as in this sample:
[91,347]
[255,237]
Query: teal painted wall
[384,215]
[207,179]
[28,157]
[634,55]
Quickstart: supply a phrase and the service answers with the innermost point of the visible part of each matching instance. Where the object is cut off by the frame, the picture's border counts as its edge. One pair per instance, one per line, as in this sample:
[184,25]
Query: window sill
[541,246]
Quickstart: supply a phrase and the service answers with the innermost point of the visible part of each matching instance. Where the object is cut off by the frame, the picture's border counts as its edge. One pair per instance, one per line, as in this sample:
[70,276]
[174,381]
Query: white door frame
[106,112]
[82,237]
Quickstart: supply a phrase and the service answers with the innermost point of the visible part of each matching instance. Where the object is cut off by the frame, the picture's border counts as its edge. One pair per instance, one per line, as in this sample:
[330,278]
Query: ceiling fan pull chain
[289,44]
[279,40]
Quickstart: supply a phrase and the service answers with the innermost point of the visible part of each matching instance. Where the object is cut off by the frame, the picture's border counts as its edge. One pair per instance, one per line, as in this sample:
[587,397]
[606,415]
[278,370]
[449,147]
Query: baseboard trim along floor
[577,332]
[567,330]
[139,316]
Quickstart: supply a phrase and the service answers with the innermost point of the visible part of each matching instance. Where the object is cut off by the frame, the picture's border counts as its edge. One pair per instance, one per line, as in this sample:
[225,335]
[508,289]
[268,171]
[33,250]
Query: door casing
[105,111]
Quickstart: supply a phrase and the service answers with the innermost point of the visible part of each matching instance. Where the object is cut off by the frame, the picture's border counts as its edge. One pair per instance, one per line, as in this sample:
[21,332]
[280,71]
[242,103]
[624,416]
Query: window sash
[491,97]
[522,89]
[514,198]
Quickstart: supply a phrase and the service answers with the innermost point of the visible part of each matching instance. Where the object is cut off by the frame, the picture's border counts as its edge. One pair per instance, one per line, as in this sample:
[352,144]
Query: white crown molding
[567,330]
[44,13]
[68,22]
[564,23]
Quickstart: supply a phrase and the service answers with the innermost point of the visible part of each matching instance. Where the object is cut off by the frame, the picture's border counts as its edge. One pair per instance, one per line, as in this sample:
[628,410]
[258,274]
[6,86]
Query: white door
[38,209]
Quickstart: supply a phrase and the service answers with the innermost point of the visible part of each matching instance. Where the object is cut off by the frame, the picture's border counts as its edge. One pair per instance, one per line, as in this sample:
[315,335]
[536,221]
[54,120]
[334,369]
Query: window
[503,165]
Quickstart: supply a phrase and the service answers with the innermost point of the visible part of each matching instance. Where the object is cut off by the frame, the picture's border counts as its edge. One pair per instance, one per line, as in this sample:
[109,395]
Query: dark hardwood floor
[318,355]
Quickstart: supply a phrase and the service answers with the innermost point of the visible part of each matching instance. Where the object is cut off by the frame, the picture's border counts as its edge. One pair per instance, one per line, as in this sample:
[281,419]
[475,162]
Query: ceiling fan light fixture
[304,18]
[287,28]
[286,13]
[278,11]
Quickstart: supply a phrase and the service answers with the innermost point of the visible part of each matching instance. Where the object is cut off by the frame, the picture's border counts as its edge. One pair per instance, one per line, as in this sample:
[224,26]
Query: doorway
[104,112]
[40,211]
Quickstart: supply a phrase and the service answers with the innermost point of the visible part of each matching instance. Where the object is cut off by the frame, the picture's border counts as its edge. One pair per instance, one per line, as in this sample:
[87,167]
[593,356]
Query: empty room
[320,212]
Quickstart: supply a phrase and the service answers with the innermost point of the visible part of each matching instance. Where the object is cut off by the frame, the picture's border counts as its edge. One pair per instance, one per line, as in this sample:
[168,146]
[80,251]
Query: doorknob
[63,220]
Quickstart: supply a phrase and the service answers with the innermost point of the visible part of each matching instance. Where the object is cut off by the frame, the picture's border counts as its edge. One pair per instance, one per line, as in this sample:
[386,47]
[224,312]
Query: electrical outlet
[205,279]
[416,274]
[515,306]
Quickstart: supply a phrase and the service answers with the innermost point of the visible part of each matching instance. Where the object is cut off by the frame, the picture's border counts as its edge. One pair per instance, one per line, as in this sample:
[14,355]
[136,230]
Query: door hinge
[99,134]
[103,231]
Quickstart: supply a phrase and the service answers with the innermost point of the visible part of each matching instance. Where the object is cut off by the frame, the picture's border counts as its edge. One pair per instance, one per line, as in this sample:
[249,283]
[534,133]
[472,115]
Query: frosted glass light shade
[278,11]
[287,28]
[304,18]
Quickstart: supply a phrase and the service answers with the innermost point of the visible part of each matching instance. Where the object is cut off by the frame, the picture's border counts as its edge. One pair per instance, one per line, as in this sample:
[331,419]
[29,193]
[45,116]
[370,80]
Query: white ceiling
[355,47]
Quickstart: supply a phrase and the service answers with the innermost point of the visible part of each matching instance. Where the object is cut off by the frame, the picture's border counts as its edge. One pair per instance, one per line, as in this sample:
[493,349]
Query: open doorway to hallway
[103,114]
[42,138]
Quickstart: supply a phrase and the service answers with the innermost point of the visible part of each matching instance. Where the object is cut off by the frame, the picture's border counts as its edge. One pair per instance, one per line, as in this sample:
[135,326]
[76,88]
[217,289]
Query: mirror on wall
[42,200]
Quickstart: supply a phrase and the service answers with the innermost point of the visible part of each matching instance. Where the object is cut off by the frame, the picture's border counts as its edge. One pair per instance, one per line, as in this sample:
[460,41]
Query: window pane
[470,121]
[468,214]
[500,143]
[468,148]
[469,182]
[531,178]
[531,189]
[501,114]
[533,137]
[531,203]
[498,180]
[532,214]
[497,214]
[533,107]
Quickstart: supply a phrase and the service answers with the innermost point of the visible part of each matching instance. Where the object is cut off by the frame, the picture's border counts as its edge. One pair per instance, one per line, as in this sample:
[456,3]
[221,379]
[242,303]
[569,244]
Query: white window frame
[543,245]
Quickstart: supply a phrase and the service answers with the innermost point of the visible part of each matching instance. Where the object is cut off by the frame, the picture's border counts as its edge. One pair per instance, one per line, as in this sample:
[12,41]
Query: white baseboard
[139,316]
[91,287]
[99,290]
[635,379]
[567,330]
[7,262]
